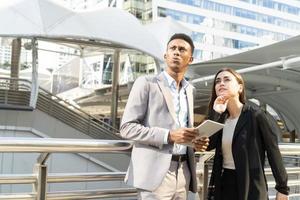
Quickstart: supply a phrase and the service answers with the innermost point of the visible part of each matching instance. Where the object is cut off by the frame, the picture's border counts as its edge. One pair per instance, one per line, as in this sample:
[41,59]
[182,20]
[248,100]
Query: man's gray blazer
[148,116]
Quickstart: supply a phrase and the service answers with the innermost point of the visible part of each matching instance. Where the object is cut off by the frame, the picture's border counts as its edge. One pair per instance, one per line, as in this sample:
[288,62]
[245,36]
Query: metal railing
[40,177]
[75,117]
[15,84]
[205,165]
[15,94]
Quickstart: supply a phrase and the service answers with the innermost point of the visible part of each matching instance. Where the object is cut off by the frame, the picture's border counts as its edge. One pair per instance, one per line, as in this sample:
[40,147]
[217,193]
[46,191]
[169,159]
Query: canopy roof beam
[251,69]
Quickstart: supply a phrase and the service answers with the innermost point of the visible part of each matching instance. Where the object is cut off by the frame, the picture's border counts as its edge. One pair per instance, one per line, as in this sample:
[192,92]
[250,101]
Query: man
[156,117]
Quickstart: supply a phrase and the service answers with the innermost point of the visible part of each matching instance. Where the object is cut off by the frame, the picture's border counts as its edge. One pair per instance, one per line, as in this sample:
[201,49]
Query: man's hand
[280,196]
[201,144]
[182,135]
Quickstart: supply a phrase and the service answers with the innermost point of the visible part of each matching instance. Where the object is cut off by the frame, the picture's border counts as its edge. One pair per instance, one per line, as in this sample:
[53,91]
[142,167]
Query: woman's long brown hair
[242,96]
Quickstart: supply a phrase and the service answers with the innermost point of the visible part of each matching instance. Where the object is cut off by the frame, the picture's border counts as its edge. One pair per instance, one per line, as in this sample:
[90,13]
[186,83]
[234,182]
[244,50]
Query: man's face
[178,55]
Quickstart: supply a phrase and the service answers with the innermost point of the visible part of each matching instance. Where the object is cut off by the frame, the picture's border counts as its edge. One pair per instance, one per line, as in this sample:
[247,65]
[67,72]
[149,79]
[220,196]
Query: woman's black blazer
[254,137]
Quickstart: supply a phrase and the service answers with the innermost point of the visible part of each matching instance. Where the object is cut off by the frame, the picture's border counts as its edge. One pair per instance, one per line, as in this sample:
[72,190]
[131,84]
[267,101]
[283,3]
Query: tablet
[208,128]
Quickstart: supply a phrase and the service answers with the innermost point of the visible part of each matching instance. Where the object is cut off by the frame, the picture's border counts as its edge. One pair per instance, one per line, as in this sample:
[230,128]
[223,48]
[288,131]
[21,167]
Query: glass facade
[204,38]
[276,6]
[233,27]
[230,10]
[232,40]
[237,33]
[198,54]
[238,28]
[197,37]
[222,41]
[180,16]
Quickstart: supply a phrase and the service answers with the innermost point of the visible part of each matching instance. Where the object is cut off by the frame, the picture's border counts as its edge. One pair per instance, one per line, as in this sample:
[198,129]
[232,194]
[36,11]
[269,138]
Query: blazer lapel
[167,95]
[190,99]
[241,121]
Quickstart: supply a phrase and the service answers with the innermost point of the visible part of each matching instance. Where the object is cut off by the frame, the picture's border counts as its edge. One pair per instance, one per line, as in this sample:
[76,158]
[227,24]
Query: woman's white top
[228,132]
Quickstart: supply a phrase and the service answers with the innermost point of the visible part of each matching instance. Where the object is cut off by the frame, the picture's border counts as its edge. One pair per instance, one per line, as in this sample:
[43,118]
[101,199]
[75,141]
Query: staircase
[15,94]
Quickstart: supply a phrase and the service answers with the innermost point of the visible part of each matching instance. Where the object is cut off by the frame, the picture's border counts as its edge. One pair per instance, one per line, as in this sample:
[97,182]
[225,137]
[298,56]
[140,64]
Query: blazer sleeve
[213,140]
[132,126]
[269,136]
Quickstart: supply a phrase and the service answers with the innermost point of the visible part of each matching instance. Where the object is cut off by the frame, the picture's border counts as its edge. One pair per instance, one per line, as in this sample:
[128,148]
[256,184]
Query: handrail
[286,149]
[15,94]
[26,84]
[58,99]
[93,194]
[63,177]
[289,149]
[59,145]
[55,145]
[75,195]
[40,178]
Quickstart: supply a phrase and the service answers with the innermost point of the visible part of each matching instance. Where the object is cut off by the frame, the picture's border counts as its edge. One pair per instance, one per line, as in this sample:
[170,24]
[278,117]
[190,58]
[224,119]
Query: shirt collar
[172,82]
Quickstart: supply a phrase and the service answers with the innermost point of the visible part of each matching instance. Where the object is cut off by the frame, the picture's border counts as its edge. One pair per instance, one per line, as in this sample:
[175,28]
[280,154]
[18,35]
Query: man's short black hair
[184,37]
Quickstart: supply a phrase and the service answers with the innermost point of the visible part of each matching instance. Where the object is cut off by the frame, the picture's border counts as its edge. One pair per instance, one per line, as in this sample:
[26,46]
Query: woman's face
[227,85]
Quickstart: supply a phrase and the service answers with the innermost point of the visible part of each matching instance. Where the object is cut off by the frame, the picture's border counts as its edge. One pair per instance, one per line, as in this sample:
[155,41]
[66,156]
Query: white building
[222,28]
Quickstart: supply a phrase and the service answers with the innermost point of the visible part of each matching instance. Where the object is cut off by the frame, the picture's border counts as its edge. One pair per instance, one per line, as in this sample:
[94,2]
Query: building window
[214,6]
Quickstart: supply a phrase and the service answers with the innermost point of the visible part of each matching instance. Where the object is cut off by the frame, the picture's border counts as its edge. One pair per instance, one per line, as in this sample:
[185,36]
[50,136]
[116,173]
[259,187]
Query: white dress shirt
[181,109]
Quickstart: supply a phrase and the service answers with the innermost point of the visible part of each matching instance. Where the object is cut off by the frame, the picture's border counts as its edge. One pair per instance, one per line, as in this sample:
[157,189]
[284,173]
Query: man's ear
[191,59]
[165,56]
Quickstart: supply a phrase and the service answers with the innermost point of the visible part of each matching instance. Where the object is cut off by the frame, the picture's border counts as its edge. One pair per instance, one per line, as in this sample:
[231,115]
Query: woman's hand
[280,196]
[201,144]
[220,104]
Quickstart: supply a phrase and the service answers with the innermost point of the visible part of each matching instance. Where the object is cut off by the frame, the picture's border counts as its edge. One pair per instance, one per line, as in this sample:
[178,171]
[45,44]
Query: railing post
[40,169]
[41,184]
[6,97]
[202,166]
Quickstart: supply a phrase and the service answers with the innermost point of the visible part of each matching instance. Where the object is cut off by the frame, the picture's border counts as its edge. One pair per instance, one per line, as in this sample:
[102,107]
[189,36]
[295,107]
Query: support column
[115,88]
[40,169]
[34,79]
[81,67]
[15,62]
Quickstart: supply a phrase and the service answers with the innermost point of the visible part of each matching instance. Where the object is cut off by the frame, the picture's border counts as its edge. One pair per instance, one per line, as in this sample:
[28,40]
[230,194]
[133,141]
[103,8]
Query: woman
[238,169]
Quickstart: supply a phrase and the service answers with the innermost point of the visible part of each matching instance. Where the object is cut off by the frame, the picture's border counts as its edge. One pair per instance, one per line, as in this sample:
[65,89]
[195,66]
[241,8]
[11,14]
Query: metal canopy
[109,27]
[272,84]
[262,55]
